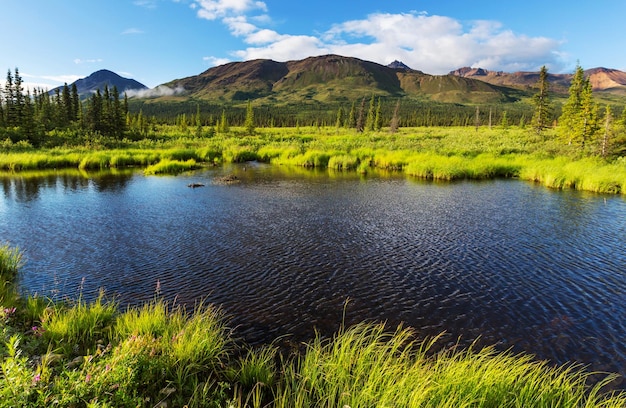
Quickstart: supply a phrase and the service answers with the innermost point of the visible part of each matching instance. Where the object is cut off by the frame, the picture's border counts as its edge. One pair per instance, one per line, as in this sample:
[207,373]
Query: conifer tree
[578,121]
[249,122]
[352,116]
[608,132]
[223,124]
[543,106]
[395,119]
[67,108]
[378,119]
[75,103]
[360,118]
[340,119]
[9,101]
[371,115]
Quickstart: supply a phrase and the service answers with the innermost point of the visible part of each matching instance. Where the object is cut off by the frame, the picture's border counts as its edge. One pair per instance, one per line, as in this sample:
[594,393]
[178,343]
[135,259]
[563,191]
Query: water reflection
[24,187]
[505,262]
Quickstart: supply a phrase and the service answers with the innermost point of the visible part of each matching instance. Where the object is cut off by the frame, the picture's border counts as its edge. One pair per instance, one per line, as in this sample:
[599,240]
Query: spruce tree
[378,119]
[223,124]
[352,116]
[9,101]
[360,118]
[75,100]
[578,121]
[608,132]
[67,108]
[249,122]
[543,106]
[19,98]
[395,119]
[340,119]
[371,115]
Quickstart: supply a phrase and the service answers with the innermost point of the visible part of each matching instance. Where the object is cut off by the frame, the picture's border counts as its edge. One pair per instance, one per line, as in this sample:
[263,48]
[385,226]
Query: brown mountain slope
[329,78]
[602,79]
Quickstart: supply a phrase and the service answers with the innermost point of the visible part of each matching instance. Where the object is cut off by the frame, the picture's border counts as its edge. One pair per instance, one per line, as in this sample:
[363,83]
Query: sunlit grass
[167,166]
[443,153]
[78,327]
[367,366]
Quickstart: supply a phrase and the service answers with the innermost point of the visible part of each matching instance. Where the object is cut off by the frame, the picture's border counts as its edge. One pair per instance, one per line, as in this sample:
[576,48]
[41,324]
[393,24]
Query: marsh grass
[75,329]
[441,153]
[367,366]
[168,166]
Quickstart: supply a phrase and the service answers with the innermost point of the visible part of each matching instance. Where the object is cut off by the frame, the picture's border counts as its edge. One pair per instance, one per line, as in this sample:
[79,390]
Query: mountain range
[331,78]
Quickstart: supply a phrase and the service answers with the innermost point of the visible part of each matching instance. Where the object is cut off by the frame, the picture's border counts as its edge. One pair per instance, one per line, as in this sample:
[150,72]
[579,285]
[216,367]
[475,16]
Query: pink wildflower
[36,378]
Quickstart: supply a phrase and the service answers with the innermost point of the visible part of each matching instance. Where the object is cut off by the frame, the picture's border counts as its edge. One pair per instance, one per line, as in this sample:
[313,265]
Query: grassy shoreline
[428,153]
[91,354]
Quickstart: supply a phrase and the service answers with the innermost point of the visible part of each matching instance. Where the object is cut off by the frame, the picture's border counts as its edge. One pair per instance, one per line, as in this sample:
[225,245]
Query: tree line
[29,117]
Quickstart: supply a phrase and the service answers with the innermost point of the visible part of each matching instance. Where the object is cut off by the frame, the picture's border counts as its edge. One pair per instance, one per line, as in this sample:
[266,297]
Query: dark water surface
[516,265]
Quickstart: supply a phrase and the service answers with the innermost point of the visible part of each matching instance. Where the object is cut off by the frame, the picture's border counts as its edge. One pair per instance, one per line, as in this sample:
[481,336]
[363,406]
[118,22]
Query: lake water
[510,263]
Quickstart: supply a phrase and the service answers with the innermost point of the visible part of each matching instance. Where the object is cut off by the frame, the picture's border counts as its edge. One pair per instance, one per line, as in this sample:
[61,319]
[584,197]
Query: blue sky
[155,41]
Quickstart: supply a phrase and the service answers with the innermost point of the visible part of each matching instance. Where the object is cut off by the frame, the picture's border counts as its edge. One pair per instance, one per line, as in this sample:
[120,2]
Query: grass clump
[168,166]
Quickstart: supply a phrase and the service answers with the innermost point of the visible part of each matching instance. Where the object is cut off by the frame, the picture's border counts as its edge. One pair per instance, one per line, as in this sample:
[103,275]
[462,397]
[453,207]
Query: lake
[288,251]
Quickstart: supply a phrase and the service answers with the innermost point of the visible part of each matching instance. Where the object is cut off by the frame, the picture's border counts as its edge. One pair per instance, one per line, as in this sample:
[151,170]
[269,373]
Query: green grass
[167,166]
[90,354]
[440,153]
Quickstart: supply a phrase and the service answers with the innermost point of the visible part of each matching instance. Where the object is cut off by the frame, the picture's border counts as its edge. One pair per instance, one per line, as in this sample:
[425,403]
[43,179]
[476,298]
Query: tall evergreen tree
[352,116]
[378,118]
[578,120]
[223,124]
[371,115]
[249,122]
[360,117]
[9,101]
[67,105]
[395,119]
[340,119]
[608,132]
[543,106]
[75,100]
[118,115]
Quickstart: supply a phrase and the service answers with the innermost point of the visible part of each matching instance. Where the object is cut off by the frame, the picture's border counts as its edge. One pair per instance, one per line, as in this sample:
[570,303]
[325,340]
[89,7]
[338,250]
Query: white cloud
[433,44]
[286,47]
[160,90]
[438,44]
[213,61]
[214,9]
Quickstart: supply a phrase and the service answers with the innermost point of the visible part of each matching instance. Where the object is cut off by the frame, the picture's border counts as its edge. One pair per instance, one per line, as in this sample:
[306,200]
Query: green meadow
[437,153]
[94,354]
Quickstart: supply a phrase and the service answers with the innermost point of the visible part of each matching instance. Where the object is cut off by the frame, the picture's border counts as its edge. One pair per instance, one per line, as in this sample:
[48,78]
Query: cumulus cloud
[431,43]
[160,90]
[213,61]
[215,9]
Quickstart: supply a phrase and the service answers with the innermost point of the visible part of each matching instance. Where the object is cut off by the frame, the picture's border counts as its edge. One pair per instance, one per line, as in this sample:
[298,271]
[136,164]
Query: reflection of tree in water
[27,187]
[109,181]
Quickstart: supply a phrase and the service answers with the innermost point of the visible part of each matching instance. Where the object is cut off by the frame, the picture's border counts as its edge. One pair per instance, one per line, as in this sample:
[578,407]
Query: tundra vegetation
[76,353]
